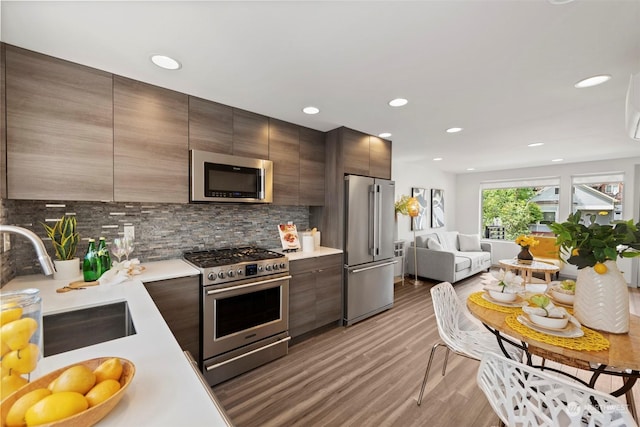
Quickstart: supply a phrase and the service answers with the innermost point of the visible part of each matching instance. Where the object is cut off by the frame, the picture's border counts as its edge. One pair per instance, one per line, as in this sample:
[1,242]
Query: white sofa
[449,256]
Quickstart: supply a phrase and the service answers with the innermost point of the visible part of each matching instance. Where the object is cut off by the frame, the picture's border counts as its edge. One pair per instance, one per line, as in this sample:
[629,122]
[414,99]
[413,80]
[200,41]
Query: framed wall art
[420,222]
[437,208]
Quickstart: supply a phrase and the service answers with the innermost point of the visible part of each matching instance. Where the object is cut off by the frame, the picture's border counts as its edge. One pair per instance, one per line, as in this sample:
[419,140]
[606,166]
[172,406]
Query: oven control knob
[282,266]
[275,267]
[221,275]
[212,276]
[230,273]
[268,267]
[240,272]
[260,268]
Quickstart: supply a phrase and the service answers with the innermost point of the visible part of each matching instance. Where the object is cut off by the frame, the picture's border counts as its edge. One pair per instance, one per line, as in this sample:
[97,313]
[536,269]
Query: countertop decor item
[601,296]
[64,238]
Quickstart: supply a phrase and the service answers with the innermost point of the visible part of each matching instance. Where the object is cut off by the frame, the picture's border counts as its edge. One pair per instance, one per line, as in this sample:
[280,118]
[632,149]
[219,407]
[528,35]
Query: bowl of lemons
[78,394]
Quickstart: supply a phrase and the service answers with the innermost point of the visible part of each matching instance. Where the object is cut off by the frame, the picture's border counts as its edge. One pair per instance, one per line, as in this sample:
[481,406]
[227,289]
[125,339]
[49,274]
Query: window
[519,207]
[599,195]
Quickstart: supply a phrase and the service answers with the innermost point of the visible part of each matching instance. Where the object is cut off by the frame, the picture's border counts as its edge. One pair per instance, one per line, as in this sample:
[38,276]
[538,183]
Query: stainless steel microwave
[224,178]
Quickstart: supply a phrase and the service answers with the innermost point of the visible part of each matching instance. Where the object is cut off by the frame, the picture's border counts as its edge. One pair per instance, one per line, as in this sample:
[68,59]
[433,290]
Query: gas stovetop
[221,257]
[226,265]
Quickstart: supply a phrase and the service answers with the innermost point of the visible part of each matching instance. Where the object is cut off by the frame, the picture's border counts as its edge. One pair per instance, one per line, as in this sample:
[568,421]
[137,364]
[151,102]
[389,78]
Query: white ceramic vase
[602,300]
[66,269]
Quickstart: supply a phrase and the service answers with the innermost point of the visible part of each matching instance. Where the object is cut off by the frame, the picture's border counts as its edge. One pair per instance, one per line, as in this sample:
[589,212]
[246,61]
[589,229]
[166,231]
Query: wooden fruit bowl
[87,417]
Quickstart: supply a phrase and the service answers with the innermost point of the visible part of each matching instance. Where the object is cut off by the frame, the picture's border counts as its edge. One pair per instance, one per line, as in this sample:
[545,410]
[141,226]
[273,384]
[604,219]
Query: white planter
[66,269]
[602,300]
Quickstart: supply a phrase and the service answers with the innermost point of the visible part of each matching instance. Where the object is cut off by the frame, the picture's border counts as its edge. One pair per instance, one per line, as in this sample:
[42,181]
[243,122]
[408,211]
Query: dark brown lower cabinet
[178,300]
[315,293]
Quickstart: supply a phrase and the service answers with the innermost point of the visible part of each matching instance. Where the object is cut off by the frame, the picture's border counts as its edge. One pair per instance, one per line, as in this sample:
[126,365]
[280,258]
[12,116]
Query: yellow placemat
[476,297]
[591,341]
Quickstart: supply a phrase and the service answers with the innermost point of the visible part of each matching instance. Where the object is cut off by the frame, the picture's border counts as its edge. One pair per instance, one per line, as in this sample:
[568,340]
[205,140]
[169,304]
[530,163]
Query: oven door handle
[248,285]
[233,359]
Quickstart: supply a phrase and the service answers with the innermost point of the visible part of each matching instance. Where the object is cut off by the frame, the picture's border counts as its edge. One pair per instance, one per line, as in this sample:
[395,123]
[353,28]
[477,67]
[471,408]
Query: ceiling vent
[633,107]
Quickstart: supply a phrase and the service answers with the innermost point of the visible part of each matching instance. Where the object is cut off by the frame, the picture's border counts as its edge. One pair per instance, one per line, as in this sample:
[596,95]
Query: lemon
[575,252]
[10,315]
[22,361]
[55,407]
[102,391]
[10,383]
[4,348]
[15,416]
[600,268]
[17,334]
[110,369]
[77,378]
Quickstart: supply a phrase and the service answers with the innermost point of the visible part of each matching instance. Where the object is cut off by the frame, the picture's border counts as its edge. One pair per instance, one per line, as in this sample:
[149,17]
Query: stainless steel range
[244,316]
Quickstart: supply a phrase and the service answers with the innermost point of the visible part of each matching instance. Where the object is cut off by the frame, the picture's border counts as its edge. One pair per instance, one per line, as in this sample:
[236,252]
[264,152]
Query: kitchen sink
[81,328]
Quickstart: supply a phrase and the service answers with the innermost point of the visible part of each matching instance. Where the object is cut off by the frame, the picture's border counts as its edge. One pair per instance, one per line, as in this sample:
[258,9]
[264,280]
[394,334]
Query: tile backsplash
[162,231]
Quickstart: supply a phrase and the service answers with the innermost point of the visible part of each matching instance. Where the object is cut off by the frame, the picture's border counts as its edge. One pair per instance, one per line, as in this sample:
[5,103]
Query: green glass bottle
[91,263]
[104,257]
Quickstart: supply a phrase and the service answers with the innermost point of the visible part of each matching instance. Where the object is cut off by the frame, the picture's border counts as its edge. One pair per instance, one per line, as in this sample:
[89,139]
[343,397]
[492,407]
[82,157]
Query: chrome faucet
[41,251]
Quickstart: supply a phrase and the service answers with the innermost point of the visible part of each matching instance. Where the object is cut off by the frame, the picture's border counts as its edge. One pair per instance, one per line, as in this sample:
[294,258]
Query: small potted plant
[601,297]
[64,239]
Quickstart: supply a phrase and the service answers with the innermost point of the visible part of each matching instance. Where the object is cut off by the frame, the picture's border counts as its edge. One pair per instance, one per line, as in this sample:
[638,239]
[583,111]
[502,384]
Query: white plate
[571,331]
[555,301]
[519,302]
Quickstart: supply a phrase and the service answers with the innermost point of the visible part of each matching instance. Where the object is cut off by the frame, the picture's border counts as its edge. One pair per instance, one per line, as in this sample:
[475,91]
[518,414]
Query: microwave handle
[261,173]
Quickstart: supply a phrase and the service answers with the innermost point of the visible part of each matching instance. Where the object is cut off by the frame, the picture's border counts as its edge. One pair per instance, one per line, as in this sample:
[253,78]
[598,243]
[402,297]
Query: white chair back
[525,396]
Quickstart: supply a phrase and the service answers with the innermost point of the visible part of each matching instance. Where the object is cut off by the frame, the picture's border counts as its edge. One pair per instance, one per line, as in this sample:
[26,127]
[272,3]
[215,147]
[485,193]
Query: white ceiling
[502,70]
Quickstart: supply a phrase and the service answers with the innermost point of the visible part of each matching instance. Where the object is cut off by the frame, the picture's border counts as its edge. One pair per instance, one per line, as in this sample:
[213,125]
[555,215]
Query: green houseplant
[588,246]
[64,238]
[601,295]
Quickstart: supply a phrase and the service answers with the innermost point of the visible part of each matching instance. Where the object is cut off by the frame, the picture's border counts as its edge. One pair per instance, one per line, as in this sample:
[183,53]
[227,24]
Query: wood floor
[369,374]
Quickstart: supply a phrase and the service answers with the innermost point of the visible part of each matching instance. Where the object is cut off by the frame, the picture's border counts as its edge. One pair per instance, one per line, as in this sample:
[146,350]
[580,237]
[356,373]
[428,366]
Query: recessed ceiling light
[557,160]
[398,102]
[471,169]
[593,81]
[560,1]
[437,159]
[163,61]
[311,110]
[535,144]
[454,130]
[384,135]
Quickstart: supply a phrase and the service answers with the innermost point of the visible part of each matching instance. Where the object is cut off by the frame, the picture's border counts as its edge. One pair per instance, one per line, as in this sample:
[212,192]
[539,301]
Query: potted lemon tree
[64,238]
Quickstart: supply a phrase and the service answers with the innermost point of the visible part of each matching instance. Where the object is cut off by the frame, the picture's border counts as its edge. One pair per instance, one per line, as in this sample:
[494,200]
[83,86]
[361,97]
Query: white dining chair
[459,332]
[522,395]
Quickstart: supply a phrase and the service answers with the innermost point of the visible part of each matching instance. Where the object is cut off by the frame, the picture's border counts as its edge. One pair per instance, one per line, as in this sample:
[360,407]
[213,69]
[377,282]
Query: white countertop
[320,251]
[165,389]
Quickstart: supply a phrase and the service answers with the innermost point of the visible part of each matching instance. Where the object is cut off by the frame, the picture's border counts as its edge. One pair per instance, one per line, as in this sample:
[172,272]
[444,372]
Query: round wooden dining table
[622,358]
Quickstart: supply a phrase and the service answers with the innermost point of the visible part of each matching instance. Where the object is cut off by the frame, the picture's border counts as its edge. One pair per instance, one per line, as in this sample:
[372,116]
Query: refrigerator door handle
[359,270]
[375,214]
[372,220]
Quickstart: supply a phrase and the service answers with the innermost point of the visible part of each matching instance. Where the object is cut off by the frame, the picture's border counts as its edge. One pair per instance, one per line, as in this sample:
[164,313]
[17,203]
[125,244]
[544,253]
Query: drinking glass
[127,245]
[118,248]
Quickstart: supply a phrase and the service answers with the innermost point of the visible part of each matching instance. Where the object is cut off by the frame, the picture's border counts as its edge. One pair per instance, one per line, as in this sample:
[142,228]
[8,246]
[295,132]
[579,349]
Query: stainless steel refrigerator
[368,247]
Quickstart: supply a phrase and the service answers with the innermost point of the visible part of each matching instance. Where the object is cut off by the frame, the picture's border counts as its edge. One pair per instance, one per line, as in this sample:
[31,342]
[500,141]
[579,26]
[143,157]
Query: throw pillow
[434,244]
[469,242]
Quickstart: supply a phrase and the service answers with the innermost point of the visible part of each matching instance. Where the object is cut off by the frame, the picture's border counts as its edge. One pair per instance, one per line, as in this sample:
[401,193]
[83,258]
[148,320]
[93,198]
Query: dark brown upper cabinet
[210,126]
[379,157]
[59,129]
[151,146]
[355,149]
[250,134]
[312,167]
[284,152]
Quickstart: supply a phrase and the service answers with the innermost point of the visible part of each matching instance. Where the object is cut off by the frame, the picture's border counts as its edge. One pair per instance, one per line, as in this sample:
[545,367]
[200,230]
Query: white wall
[467,202]
[422,174]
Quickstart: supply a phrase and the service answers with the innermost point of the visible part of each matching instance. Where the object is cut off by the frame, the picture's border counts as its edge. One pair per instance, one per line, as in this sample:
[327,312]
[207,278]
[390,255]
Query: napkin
[551,311]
